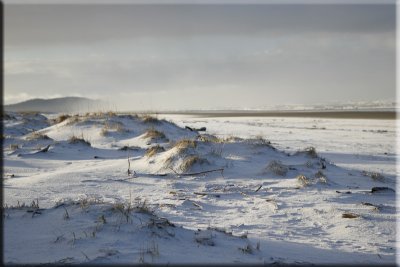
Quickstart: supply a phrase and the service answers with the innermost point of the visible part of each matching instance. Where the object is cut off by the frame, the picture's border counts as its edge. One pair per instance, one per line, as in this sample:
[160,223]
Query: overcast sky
[200,56]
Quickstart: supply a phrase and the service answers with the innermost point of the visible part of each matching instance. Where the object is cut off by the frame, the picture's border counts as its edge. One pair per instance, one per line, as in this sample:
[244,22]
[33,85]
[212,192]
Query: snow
[76,203]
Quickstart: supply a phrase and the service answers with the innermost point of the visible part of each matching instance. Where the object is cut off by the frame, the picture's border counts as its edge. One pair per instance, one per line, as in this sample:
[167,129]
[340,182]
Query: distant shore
[339,114]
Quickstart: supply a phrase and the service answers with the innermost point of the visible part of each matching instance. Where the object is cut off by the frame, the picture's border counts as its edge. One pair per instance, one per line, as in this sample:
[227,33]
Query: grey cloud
[303,68]
[27,25]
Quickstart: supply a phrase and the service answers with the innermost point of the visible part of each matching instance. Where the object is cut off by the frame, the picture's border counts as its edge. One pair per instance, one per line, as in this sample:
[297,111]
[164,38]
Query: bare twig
[66,215]
[129,167]
[203,172]
[206,194]
[85,256]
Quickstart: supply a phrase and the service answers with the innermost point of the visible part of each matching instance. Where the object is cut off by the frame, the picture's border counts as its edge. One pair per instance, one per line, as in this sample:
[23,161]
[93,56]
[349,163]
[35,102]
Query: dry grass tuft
[38,136]
[76,140]
[247,249]
[29,113]
[189,161]
[111,114]
[14,146]
[303,180]
[149,119]
[113,126]
[154,134]
[309,151]
[183,144]
[277,168]
[374,175]
[143,207]
[232,139]
[321,177]
[104,132]
[154,150]
[61,118]
[207,138]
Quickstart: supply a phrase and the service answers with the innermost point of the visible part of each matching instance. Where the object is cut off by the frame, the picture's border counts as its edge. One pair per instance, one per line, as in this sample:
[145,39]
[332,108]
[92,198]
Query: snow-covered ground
[128,189]
[365,144]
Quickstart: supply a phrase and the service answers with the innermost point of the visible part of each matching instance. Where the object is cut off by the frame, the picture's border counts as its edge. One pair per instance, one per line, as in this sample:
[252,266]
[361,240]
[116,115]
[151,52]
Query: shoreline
[386,115]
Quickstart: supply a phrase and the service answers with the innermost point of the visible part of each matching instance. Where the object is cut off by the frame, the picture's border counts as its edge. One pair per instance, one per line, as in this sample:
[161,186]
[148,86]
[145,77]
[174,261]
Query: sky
[208,56]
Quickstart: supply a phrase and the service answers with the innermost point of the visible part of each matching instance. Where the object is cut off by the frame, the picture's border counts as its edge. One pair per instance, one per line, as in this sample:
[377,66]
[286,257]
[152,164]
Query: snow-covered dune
[107,188]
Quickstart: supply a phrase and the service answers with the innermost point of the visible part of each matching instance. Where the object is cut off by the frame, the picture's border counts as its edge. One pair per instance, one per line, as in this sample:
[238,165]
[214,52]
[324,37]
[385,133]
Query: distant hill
[63,104]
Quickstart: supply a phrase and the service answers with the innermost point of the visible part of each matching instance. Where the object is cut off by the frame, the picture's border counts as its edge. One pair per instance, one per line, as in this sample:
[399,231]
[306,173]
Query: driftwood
[258,188]
[44,149]
[207,194]
[202,129]
[381,189]
[197,173]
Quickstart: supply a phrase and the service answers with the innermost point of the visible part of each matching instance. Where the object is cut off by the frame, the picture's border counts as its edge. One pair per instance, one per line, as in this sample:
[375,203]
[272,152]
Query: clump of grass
[247,249]
[207,138]
[374,175]
[143,207]
[149,119]
[29,113]
[259,141]
[189,161]
[277,168]
[184,144]
[104,132]
[86,202]
[303,180]
[61,118]
[309,151]
[154,150]
[116,125]
[321,177]
[112,126]
[221,230]
[111,114]
[76,140]
[232,139]
[38,136]
[74,119]
[154,134]
[14,146]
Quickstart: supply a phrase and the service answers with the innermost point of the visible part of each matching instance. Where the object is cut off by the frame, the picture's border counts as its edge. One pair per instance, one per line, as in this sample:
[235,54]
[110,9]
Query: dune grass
[149,119]
[303,180]
[184,144]
[189,161]
[38,136]
[308,151]
[154,134]
[14,146]
[277,168]
[115,126]
[76,140]
[150,152]
[61,118]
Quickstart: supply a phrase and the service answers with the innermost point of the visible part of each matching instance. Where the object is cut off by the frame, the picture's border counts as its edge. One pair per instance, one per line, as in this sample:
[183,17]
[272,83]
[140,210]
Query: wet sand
[383,115]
